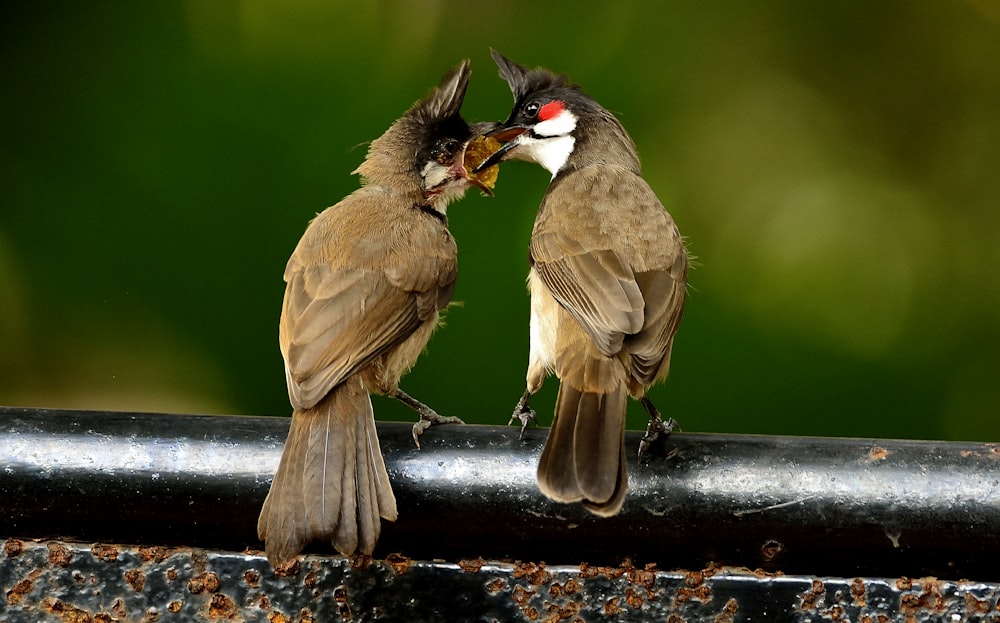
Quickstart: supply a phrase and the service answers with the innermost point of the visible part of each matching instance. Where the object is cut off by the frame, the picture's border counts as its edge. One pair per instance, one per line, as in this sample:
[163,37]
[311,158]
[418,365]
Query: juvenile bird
[365,286]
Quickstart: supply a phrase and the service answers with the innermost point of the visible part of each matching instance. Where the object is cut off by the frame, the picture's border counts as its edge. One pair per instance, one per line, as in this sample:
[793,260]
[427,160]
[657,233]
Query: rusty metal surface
[70,582]
[804,506]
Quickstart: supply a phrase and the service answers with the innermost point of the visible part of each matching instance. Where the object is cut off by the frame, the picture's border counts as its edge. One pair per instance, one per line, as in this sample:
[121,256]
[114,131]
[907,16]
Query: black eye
[530,109]
[444,150]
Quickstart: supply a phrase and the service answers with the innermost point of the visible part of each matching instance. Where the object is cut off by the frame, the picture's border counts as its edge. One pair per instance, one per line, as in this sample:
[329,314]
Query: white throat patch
[550,143]
[438,188]
[551,153]
[560,125]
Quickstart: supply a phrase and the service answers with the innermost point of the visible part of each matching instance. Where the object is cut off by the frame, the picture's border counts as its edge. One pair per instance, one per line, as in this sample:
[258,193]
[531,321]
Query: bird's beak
[459,171]
[506,136]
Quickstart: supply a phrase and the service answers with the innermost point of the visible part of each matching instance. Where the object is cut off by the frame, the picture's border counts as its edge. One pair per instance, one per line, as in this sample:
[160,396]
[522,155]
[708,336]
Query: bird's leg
[523,412]
[656,426]
[428,416]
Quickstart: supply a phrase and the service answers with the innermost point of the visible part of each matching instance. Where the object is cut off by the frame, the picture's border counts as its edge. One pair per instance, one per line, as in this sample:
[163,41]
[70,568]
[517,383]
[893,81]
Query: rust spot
[16,594]
[588,572]
[222,607]
[531,613]
[810,598]
[400,564]
[702,593]
[643,577]
[571,586]
[306,617]
[521,595]
[904,583]
[59,555]
[360,561]
[264,603]
[728,611]
[472,566]
[878,453]
[732,606]
[770,550]
[496,585]
[288,568]
[310,580]
[858,591]
[12,547]
[976,606]
[174,606]
[694,579]
[22,588]
[171,574]
[204,583]
[153,553]
[535,573]
[251,578]
[611,608]
[837,612]
[808,602]
[561,613]
[967,453]
[930,599]
[340,596]
[118,608]
[107,553]
[277,617]
[633,599]
[68,614]
[103,617]
[613,573]
[556,590]
[676,618]
[136,579]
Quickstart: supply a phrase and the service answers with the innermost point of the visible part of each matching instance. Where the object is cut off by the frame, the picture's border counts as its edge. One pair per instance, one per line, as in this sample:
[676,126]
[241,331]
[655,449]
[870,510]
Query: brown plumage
[607,283]
[365,286]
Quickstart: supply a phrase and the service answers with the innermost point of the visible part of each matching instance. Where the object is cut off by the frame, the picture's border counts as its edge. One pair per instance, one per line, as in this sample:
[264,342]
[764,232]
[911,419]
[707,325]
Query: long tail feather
[331,483]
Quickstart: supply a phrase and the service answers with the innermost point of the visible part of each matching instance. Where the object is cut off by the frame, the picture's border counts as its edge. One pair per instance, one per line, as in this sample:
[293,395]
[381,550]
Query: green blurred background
[834,166]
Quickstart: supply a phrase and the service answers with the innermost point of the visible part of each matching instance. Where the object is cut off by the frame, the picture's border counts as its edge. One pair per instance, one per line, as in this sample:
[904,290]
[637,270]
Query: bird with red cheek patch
[607,281]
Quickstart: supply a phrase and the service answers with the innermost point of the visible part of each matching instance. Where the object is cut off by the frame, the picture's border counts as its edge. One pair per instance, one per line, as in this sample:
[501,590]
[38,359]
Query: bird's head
[550,118]
[424,150]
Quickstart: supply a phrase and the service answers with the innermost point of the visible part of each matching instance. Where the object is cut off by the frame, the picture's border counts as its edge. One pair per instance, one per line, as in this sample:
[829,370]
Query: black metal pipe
[814,506]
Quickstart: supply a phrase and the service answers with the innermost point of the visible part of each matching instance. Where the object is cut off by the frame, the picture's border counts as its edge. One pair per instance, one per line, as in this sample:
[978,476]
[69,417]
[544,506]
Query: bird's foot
[428,419]
[525,414]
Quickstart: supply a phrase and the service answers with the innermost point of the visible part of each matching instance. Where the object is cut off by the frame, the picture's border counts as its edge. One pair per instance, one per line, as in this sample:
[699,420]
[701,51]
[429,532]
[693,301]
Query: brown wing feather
[326,339]
[620,273]
[354,292]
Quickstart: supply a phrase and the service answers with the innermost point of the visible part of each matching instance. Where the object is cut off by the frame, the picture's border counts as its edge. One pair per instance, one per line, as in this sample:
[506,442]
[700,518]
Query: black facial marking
[443,141]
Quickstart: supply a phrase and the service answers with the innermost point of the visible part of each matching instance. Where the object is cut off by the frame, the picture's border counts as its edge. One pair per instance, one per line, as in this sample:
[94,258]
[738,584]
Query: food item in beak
[476,152]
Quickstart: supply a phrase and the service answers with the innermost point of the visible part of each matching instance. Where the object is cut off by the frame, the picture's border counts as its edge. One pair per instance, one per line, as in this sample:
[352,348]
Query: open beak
[458,170]
[506,136]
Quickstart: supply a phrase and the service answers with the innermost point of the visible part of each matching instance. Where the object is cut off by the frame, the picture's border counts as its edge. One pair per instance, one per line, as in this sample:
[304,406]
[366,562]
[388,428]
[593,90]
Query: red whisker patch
[550,110]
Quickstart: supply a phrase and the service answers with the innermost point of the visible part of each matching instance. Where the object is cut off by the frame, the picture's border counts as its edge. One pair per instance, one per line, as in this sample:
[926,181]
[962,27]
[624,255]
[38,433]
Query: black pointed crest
[446,99]
[396,157]
[523,81]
